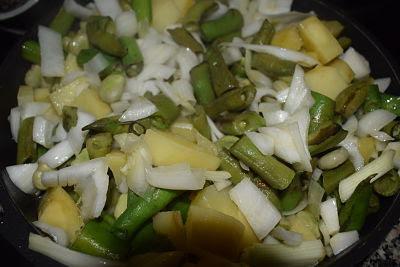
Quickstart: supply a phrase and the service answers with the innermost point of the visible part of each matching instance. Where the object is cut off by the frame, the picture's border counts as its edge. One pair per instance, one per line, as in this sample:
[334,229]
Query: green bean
[272,66]
[62,22]
[322,111]
[275,173]
[133,60]
[143,10]
[135,216]
[239,124]
[373,101]
[332,178]
[69,117]
[147,240]
[388,185]
[334,26]
[265,34]
[235,100]
[30,51]
[374,204]
[328,144]
[231,21]
[393,129]
[182,205]
[167,112]
[226,142]
[345,42]
[183,37]
[238,69]
[292,195]
[324,131]
[196,12]
[99,145]
[85,55]
[200,123]
[97,240]
[202,85]
[41,150]
[108,125]
[26,147]
[269,193]
[226,38]
[391,103]
[231,165]
[222,79]
[101,34]
[112,87]
[351,98]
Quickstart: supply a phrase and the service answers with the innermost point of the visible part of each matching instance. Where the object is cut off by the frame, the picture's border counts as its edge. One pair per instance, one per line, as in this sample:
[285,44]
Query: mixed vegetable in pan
[200,133]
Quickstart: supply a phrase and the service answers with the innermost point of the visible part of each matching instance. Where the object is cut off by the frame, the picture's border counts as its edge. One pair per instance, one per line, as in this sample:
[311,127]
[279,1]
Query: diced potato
[305,224]
[326,80]
[317,38]
[165,13]
[58,209]
[183,127]
[288,38]
[52,115]
[121,206]
[41,94]
[115,161]
[25,95]
[184,5]
[214,231]
[366,145]
[71,65]
[90,101]
[170,224]
[167,149]
[334,27]
[344,69]
[220,201]
[66,95]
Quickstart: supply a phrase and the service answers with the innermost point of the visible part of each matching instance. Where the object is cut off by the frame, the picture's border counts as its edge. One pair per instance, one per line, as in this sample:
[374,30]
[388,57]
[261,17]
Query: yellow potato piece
[169,223]
[344,69]
[25,95]
[183,5]
[220,201]
[90,101]
[366,145]
[214,231]
[58,209]
[167,149]
[326,80]
[304,223]
[115,161]
[121,206]
[317,38]
[165,13]
[41,94]
[288,38]
[71,65]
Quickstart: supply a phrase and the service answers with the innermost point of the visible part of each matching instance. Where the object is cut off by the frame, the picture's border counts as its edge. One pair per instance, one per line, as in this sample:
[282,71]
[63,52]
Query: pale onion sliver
[51,52]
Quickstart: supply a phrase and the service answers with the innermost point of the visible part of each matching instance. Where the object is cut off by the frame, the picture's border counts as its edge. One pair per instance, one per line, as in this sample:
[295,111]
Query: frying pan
[17,209]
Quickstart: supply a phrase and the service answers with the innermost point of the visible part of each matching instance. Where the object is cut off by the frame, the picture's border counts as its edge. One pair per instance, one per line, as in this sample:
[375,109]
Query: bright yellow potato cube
[344,69]
[90,101]
[58,209]
[165,13]
[41,94]
[115,161]
[326,80]
[317,38]
[71,65]
[167,149]
[366,145]
[288,38]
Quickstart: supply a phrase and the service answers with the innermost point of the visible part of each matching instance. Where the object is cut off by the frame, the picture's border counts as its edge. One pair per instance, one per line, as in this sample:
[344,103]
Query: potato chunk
[288,38]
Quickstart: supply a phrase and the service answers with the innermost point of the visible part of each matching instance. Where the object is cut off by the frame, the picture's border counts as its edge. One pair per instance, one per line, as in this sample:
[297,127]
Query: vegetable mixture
[200,133]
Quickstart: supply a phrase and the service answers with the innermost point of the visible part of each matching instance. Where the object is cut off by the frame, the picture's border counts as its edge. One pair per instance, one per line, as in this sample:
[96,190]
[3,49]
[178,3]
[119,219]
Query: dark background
[379,17]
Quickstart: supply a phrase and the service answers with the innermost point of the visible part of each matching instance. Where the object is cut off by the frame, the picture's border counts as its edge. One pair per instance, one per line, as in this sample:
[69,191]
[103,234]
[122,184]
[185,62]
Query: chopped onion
[350,143]
[21,176]
[140,108]
[301,147]
[216,134]
[301,206]
[42,131]
[97,64]
[33,109]
[329,214]
[108,8]
[289,238]
[58,154]
[282,21]
[273,7]
[51,52]
[222,9]
[341,241]
[67,256]
[217,176]
[15,122]
[373,121]
[251,28]
[282,95]
[275,117]
[299,94]
[156,72]
[315,195]
[324,231]
[77,10]
[186,60]
[126,24]
[357,63]
[383,83]
[56,233]
[137,87]
[351,125]
[258,210]
[159,54]
[139,168]
[76,136]
[128,142]
[60,134]
[381,136]
[119,107]
[270,240]
[378,168]
[244,166]
[396,147]
[176,177]
[316,174]
[221,185]
[231,55]
[263,142]
[259,79]
[184,92]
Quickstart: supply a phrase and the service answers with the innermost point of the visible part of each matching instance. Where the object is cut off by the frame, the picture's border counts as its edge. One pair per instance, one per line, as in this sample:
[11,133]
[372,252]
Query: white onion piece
[57,155]
[184,92]
[97,64]
[270,240]
[261,214]
[381,136]
[176,177]
[60,134]
[119,107]
[325,234]
[110,8]
[301,206]
[396,147]
[251,28]
[282,95]
[301,147]
[315,194]
[156,72]
[216,134]
[77,10]
[33,109]
[136,87]
[263,142]
[222,9]
[159,54]
[299,94]
[373,121]
[139,168]
[221,185]
[341,241]
[378,168]
[273,7]
[351,125]
[67,256]
[51,52]
[128,142]
[42,131]
[231,55]
[279,52]
[357,63]
[350,143]
[289,238]
[57,234]
[126,24]
[76,136]
[21,176]
[244,166]
[186,60]
[275,117]
[383,83]
[217,176]
[329,214]
[140,108]
[15,122]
